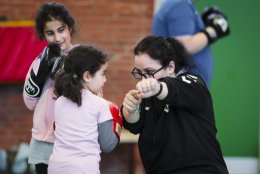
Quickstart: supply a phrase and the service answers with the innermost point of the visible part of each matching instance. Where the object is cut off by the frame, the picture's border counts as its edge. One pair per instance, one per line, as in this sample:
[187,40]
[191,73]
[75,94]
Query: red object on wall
[19,46]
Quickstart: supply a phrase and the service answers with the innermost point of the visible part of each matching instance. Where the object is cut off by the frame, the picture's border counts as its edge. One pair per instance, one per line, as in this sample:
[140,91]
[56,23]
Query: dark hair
[79,59]
[53,10]
[164,50]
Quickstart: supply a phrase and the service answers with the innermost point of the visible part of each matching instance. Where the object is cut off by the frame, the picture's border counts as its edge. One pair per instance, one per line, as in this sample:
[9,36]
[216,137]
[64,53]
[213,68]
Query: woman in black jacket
[172,111]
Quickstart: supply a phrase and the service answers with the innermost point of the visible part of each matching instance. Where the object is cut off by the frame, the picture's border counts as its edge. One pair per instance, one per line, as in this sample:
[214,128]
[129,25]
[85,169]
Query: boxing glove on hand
[48,64]
[216,24]
[209,13]
[117,119]
[34,85]
[55,59]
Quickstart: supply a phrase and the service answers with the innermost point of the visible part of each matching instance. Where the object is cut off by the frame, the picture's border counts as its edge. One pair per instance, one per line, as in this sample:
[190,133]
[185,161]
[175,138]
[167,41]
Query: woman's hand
[148,87]
[131,106]
[132,101]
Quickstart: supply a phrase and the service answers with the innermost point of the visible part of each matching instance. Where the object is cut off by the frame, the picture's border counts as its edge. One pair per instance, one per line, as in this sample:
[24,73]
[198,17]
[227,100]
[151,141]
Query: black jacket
[178,133]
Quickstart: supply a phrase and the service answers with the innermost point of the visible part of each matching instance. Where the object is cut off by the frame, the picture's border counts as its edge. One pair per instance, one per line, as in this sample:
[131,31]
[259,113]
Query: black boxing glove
[216,24]
[209,13]
[49,59]
[55,59]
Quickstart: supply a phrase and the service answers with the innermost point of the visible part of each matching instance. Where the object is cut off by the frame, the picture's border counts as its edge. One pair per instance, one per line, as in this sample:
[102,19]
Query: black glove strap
[210,34]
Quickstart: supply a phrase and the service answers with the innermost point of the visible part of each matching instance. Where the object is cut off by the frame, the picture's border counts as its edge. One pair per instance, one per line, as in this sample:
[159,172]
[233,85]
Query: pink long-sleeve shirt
[43,106]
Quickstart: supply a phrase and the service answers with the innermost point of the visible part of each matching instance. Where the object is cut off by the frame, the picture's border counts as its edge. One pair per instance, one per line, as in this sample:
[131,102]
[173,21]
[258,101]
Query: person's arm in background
[216,27]
[179,20]
[194,43]
[182,22]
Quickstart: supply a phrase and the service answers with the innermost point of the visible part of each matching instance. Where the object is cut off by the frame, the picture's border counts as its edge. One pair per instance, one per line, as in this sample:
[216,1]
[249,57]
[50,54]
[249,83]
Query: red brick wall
[115,25]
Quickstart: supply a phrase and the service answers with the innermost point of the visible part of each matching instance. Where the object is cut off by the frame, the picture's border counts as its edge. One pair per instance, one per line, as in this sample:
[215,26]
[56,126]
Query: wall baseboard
[242,165]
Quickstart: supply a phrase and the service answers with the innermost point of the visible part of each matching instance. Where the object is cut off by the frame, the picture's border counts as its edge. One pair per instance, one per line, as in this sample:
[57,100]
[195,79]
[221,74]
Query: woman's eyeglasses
[138,74]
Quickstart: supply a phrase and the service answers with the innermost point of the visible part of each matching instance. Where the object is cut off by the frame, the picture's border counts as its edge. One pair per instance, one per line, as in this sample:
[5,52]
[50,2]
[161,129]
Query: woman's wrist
[136,110]
[163,92]
[131,117]
[160,89]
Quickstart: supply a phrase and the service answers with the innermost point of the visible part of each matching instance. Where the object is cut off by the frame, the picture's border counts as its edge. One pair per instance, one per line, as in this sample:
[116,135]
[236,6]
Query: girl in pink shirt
[85,124]
[54,24]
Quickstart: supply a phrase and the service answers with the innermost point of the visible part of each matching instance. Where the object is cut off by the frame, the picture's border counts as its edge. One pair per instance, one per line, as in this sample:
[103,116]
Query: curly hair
[50,11]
